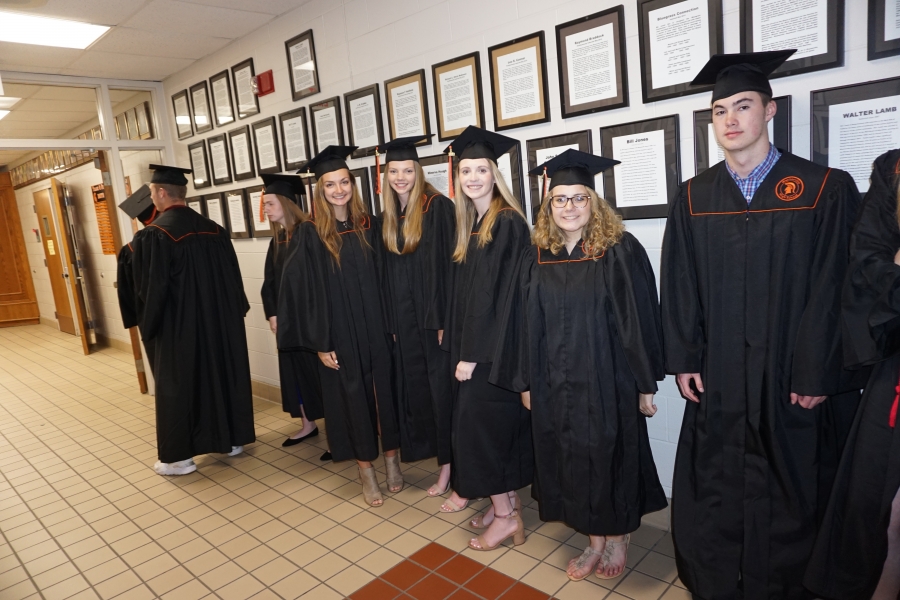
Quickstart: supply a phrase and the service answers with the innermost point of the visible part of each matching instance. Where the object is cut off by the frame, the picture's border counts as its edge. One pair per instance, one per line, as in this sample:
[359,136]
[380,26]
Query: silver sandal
[394,476]
[588,557]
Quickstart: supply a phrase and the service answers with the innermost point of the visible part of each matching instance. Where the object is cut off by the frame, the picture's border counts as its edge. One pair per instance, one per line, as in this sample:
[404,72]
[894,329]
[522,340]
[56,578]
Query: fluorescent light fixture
[3,113]
[20,28]
[8,102]
[183,120]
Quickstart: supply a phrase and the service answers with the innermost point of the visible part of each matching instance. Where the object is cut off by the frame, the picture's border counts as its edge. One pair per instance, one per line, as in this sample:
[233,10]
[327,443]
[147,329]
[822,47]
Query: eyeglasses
[579,201]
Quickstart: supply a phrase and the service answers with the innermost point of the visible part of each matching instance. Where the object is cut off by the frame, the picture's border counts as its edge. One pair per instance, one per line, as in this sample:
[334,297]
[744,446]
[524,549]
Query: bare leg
[443,482]
[488,517]
[889,584]
[499,528]
[308,425]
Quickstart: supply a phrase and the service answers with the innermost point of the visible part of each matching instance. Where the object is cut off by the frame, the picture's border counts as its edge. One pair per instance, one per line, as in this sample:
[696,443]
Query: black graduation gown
[187,277]
[129,303]
[416,299]
[750,299]
[491,430]
[324,307]
[584,336]
[298,370]
[852,544]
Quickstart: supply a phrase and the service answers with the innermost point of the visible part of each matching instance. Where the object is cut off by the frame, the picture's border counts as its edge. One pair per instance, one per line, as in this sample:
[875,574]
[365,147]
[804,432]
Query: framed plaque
[131,119]
[218,159]
[677,37]
[183,120]
[200,102]
[593,71]
[215,209]
[260,226]
[199,165]
[707,151]
[244,89]
[363,108]
[644,184]
[458,95]
[407,104]
[144,122]
[241,153]
[221,98]
[294,138]
[852,125]
[884,28]
[541,150]
[510,165]
[197,204]
[265,140]
[238,223]
[437,172]
[519,82]
[302,67]
[815,28]
[327,128]
[121,127]
[363,182]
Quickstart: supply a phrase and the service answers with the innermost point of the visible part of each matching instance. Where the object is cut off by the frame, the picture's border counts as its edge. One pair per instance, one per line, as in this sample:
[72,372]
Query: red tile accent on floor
[463,595]
[405,575]
[375,590]
[520,591]
[432,556]
[460,569]
[433,587]
[490,584]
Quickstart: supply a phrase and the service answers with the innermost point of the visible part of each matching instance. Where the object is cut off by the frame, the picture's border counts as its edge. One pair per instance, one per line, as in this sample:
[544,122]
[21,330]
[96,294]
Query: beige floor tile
[23,589]
[105,571]
[239,546]
[384,533]
[349,580]
[222,575]
[240,589]
[326,567]
[65,589]
[676,593]
[123,582]
[379,561]
[169,580]
[274,571]
[143,554]
[646,536]
[257,558]
[581,590]
[156,566]
[514,564]
[192,590]
[546,578]
[658,566]
[321,592]
[641,587]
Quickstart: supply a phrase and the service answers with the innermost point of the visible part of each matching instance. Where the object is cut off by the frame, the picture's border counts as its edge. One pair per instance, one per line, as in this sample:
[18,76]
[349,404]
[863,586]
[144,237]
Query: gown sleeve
[871,295]
[681,312]
[269,291]
[153,254]
[125,287]
[304,308]
[636,307]
[817,368]
[438,248]
[510,369]
[381,259]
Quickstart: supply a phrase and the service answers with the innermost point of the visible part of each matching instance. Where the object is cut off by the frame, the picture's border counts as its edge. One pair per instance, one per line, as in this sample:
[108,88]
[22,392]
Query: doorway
[55,261]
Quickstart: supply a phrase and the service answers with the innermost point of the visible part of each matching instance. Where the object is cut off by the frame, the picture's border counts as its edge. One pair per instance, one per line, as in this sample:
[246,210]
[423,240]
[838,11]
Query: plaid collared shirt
[749,185]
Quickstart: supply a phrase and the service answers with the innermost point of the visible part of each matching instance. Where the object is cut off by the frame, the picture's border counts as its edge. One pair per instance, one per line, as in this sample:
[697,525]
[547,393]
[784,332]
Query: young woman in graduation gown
[857,551]
[581,331]
[418,228]
[301,392]
[491,431]
[330,303]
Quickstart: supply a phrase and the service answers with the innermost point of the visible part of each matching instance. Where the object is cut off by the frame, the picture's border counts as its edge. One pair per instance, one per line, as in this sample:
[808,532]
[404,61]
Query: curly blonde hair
[604,228]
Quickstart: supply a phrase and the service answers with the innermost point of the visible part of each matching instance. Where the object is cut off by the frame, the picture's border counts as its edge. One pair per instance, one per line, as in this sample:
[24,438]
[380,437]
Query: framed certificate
[677,37]
[294,138]
[265,140]
[644,184]
[260,226]
[302,67]
[196,203]
[131,119]
[363,107]
[541,150]
[852,125]
[241,153]
[707,151]
[238,223]
[437,172]
[244,89]
[121,127]
[884,28]
[215,210]
[218,159]
[183,120]
[510,166]
[199,165]
[200,102]
[221,98]
[815,28]
[593,73]
[519,82]
[407,104]
[327,128]
[144,122]
[457,95]
[364,184]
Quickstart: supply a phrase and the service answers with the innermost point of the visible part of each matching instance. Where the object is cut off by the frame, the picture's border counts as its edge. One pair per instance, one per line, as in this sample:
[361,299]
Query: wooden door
[63,207]
[55,261]
[18,301]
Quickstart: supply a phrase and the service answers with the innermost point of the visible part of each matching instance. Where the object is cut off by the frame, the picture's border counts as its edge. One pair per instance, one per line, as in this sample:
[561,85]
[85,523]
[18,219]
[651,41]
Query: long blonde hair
[465,213]
[412,223]
[603,230]
[323,215]
[293,216]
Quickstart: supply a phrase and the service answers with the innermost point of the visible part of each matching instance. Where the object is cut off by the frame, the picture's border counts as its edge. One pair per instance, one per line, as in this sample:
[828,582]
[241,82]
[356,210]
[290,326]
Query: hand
[464,370]
[395,336]
[329,359]
[646,404]
[684,385]
[897,258]
[526,400]
[440,336]
[273,325]
[807,401]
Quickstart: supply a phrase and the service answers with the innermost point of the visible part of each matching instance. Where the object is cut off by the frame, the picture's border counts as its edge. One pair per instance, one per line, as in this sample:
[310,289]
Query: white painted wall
[360,42]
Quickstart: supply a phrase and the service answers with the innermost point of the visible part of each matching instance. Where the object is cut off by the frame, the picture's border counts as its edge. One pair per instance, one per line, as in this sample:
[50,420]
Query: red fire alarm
[265,83]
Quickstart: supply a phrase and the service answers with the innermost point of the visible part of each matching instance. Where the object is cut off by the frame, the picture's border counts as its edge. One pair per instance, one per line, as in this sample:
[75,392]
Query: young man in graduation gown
[754,255]
[187,278]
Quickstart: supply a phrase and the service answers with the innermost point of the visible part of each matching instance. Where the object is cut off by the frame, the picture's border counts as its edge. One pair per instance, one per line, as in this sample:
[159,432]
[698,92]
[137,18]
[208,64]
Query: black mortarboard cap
[289,186]
[475,142]
[170,175]
[139,205]
[574,167]
[404,148]
[330,159]
[736,73]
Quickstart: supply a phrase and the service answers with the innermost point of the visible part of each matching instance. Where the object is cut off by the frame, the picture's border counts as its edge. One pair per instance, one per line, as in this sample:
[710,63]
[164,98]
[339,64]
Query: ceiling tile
[99,12]
[38,56]
[38,105]
[69,94]
[126,40]
[269,7]
[183,17]
[127,66]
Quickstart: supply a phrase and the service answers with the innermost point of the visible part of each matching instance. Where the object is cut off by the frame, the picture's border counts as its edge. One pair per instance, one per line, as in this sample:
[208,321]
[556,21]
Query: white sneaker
[235,450]
[182,467]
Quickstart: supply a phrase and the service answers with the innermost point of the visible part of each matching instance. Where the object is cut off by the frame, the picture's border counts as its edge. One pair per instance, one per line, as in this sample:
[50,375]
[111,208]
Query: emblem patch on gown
[789,189]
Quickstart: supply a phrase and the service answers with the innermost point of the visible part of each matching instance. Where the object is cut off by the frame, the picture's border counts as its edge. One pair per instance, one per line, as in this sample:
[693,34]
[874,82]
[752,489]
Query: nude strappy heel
[518,535]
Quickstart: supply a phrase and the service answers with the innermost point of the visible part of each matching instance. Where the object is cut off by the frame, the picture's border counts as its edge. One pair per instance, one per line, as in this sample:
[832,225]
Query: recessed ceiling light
[3,113]
[8,101]
[20,28]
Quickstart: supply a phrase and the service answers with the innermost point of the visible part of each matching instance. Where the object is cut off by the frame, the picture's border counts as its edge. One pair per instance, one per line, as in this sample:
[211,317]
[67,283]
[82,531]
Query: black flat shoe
[294,442]
[326,456]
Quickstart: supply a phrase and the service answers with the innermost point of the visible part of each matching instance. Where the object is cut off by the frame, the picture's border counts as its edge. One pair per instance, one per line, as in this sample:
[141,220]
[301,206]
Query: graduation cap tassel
[450,193]
[546,181]
[262,205]
[377,171]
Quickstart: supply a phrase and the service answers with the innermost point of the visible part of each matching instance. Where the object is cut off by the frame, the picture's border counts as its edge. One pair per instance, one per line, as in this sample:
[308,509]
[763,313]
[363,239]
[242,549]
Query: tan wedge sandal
[371,492]
[394,476]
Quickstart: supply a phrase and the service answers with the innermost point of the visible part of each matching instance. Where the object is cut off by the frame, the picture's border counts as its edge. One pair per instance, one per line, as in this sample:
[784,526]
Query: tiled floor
[83,515]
